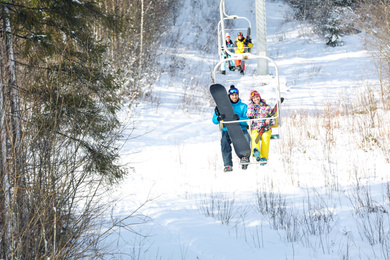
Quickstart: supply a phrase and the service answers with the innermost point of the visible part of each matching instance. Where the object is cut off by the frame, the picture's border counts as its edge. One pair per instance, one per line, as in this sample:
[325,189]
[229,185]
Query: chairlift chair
[246,56]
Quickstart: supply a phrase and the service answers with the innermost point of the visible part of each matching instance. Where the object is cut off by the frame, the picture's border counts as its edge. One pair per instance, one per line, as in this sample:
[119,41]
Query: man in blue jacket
[226,148]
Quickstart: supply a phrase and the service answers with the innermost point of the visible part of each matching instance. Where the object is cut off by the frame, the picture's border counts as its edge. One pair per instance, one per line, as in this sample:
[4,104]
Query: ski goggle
[233,90]
[254,94]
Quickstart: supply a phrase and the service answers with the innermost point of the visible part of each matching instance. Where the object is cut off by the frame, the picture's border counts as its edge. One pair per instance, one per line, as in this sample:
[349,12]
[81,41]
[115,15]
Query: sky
[321,196]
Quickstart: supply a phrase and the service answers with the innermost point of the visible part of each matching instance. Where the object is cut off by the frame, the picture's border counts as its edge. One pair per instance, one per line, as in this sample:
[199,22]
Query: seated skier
[240,113]
[225,55]
[258,108]
[242,46]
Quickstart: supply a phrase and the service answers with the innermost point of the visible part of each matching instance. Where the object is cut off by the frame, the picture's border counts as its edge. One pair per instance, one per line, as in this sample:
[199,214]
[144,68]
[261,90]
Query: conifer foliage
[59,128]
[331,18]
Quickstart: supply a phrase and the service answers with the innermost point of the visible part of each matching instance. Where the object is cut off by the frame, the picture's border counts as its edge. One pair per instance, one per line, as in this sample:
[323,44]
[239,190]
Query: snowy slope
[193,209]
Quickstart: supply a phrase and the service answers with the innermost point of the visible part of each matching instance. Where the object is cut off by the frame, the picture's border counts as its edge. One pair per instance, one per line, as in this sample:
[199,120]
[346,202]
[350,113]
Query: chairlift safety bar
[248,120]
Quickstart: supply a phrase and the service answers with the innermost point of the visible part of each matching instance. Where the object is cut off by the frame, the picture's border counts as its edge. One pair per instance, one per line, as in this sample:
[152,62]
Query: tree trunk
[141,40]
[17,212]
[4,198]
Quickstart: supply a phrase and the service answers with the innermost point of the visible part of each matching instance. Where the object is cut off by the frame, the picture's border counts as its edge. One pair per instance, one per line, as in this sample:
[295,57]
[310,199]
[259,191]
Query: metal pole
[261,37]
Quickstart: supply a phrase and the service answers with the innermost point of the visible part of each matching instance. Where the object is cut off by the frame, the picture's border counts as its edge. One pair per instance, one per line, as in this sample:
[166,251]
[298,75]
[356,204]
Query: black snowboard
[249,37]
[240,144]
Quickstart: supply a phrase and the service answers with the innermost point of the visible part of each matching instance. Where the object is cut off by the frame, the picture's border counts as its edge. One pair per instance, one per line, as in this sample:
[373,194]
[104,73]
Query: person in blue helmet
[240,110]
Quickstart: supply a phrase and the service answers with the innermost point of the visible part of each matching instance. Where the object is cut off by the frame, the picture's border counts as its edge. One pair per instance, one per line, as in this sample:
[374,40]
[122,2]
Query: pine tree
[333,36]
[59,128]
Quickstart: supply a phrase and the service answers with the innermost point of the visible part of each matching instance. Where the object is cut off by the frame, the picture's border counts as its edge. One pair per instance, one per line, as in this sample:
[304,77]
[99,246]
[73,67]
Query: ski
[265,128]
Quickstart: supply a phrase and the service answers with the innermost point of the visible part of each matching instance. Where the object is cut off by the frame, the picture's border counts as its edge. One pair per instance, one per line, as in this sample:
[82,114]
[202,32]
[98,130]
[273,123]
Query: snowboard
[240,144]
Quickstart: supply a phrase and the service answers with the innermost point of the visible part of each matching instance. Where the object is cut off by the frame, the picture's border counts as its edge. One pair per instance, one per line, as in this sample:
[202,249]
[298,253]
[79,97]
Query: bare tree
[135,52]
[63,66]
[374,19]
[13,176]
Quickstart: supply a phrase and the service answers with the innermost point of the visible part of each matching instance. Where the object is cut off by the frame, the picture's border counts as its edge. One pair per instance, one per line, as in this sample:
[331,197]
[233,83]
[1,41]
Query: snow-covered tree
[333,35]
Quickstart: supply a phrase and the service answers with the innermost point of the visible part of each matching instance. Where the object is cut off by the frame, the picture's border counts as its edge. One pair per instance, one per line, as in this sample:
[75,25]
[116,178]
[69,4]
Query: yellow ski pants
[265,141]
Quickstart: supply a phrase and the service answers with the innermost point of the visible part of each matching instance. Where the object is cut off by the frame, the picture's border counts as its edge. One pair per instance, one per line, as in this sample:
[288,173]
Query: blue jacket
[239,109]
[230,47]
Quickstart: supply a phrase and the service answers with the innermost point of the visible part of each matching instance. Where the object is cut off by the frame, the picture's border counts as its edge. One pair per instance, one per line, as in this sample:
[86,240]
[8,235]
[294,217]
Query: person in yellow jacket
[242,45]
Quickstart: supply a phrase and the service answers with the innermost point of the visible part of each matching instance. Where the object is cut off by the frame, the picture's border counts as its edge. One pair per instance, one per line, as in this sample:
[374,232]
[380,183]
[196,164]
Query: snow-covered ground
[299,206]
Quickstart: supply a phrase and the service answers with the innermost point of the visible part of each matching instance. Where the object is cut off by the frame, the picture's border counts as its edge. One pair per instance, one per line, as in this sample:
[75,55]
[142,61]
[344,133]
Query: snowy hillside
[325,192]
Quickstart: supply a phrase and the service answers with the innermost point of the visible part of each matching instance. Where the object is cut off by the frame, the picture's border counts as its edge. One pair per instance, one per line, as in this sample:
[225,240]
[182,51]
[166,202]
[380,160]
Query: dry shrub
[374,19]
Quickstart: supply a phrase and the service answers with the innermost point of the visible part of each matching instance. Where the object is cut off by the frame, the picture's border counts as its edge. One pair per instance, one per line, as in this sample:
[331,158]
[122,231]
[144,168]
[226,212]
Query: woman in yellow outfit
[242,45]
[258,108]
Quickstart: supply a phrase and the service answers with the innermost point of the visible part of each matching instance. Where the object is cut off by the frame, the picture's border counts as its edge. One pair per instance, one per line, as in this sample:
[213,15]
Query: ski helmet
[254,93]
[227,35]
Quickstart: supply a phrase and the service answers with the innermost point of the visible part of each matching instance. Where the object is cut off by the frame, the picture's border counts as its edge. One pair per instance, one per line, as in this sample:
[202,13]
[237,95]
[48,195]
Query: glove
[216,111]
[236,117]
[221,117]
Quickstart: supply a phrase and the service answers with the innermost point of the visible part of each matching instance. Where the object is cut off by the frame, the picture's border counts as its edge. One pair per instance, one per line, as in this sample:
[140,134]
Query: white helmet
[227,35]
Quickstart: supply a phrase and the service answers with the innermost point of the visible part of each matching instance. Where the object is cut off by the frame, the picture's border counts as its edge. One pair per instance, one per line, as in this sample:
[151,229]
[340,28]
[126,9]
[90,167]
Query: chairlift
[221,34]
[247,56]
[274,85]
[222,30]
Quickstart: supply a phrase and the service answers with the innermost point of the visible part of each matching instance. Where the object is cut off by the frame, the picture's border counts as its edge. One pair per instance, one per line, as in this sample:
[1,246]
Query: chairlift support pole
[261,37]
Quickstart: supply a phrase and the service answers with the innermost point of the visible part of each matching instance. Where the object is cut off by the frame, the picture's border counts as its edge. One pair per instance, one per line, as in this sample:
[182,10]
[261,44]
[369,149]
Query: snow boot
[223,72]
[256,153]
[244,163]
[263,161]
[228,169]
